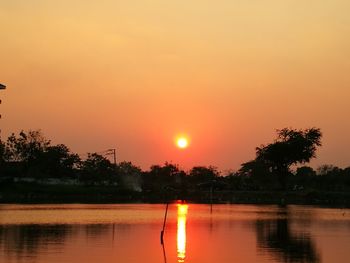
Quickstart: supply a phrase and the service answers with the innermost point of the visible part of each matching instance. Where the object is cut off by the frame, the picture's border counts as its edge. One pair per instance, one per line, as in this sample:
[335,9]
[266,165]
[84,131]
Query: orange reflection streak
[181,232]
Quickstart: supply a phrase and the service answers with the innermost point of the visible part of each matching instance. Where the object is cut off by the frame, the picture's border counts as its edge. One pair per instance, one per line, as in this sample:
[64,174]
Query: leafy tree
[22,152]
[97,168]
[235,181]
[129,176]
[58,161]
[258,175]
[38,158]
[2,152]
[303,178]
[203,176]
[291,147]
[305,171]
[161,177]
[25,147]
[331,178]
[2,158]
[328,169]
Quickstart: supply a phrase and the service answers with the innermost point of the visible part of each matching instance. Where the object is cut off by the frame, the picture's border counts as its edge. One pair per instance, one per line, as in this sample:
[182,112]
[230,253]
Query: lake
[193,233]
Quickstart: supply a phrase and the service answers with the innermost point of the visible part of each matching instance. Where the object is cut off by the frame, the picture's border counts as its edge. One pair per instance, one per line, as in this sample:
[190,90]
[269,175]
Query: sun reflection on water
[181,232]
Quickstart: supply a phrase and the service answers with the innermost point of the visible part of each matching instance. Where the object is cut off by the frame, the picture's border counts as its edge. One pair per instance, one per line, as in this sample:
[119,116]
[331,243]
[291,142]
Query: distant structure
[112,152]
[1,87]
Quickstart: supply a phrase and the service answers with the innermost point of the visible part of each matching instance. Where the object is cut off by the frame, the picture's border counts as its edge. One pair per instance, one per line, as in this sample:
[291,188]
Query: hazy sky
[133,74]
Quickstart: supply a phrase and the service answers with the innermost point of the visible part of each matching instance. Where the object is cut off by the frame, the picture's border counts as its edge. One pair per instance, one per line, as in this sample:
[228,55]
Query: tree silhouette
[129,176]
[291,147]
[203,175]
[25,147]
[258,175]
[97,168]
[161,177]
[34,156]
[2,152]
[57,161]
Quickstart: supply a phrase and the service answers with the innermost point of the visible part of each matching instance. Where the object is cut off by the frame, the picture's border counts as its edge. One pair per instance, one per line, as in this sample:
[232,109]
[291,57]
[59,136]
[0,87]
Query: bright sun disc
[182,142]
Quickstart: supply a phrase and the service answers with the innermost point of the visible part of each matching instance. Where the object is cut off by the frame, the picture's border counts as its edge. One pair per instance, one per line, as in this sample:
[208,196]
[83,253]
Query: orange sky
[133,74]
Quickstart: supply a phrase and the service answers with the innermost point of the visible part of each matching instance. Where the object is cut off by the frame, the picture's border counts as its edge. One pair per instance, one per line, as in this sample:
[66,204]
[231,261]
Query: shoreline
[59,194]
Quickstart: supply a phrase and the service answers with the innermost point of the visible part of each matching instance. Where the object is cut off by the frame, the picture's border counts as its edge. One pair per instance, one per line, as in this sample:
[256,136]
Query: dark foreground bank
[36,193]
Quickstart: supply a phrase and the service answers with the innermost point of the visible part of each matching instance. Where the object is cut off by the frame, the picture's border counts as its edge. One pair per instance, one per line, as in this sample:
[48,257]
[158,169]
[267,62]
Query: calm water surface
[194,233]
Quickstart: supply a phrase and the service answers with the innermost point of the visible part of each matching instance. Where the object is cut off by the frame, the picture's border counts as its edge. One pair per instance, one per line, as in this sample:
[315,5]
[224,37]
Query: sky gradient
[134,74]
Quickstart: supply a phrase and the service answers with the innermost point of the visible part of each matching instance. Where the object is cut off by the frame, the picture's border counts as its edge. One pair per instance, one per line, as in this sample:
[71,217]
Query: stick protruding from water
[162,232]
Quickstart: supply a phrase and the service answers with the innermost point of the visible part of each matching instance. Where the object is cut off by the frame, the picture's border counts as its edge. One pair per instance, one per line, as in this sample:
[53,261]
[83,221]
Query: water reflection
[284,244]
[27,240]
[232,233]
[181,232]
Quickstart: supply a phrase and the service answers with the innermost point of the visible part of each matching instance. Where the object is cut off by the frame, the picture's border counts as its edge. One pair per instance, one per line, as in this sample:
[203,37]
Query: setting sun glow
[182,142]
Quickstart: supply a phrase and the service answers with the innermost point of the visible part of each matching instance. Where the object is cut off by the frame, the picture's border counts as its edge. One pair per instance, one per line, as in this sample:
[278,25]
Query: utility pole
[1,87]
[113,152]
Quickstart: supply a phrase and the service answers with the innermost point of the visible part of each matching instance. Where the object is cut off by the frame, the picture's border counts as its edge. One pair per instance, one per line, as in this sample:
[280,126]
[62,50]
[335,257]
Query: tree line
[279,165]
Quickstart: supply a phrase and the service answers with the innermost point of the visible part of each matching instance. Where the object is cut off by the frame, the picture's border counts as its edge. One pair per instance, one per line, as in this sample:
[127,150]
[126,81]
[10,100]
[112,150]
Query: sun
[182,142]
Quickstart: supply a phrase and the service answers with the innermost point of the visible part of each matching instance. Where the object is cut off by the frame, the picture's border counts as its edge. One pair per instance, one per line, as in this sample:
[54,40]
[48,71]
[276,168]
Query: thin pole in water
[162,232]
[164,253]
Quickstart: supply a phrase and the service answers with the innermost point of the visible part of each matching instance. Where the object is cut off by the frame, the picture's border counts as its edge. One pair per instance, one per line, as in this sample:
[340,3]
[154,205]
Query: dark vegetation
[34,170]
